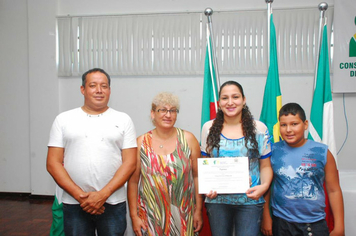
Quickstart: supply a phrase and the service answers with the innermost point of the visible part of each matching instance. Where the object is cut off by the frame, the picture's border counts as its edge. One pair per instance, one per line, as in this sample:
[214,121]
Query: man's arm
[55,167]
[93,201]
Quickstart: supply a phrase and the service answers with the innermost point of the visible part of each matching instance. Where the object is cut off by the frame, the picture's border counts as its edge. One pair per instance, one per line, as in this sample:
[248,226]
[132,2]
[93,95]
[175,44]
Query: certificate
[223,175]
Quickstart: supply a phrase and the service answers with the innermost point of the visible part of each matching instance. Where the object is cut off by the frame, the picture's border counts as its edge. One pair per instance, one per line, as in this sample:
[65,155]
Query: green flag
[321,122]
[272,98]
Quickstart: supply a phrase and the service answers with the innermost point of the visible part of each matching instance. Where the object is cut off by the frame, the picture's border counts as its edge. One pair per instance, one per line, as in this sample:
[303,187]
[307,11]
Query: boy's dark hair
[84,76]
[294,109]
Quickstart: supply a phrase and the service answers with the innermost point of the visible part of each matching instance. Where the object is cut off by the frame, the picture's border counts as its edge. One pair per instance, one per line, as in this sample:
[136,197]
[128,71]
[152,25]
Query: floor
[25,215]
[22,214]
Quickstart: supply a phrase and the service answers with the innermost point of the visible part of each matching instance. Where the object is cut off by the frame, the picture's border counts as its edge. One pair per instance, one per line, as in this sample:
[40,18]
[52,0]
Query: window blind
[174,44]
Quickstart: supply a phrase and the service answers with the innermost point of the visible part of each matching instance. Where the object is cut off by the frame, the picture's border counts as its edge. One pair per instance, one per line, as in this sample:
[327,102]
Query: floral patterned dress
[166,193]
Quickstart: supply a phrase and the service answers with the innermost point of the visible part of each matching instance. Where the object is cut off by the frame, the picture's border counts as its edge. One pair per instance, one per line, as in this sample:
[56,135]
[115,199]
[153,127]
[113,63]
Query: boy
[300,167]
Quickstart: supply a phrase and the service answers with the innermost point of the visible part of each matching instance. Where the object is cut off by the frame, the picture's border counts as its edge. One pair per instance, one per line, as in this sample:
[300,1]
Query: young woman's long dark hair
[248,127]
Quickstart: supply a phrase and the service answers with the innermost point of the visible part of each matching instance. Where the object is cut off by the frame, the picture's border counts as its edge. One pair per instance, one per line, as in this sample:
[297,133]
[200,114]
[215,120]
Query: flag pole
[322,8]
[211,68]
[209,12]
[269,12]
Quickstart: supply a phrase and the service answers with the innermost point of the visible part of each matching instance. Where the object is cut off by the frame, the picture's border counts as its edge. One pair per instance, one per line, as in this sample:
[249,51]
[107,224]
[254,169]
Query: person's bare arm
[266,175]
[95,200]
[335,195]
[195,154]
[56,169]
[132,193]
[266,224]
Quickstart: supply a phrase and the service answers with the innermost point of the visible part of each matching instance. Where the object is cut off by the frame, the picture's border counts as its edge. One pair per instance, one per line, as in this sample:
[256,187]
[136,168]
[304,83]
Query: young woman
[235,133]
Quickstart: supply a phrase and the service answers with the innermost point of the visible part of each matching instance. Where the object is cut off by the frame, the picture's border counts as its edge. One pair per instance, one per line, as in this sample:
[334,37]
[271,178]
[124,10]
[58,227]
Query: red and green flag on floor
[210,89]
[209,106]
[321,122]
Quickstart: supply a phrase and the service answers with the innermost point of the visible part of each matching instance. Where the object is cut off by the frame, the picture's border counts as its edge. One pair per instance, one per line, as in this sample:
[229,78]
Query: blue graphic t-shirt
[236,148]
[298,177]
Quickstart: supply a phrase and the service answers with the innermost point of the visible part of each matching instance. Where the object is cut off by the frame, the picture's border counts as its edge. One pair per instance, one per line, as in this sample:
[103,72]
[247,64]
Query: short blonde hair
[165,98]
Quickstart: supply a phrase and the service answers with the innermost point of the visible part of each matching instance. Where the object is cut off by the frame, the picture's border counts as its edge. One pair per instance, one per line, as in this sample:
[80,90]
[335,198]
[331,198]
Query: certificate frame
[225,175]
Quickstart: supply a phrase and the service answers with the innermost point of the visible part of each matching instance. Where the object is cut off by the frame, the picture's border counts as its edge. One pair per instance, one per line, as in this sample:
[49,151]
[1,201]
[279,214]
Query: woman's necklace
[161,145]
[164,141]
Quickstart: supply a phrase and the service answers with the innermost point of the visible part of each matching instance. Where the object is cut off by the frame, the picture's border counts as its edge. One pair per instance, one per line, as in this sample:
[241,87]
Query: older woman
[167,201]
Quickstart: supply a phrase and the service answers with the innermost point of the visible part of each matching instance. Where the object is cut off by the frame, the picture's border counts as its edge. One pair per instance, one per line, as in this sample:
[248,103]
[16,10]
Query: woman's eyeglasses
[164,111]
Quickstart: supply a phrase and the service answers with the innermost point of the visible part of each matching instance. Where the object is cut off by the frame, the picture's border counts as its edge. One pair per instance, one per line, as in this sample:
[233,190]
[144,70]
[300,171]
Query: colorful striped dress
[166,193]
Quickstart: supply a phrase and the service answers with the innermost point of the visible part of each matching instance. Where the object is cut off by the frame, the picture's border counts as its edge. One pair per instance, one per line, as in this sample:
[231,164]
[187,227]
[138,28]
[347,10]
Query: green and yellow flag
[272,98]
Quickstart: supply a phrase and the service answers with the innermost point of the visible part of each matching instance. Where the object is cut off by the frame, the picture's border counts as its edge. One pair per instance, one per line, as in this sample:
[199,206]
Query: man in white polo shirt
[91,154]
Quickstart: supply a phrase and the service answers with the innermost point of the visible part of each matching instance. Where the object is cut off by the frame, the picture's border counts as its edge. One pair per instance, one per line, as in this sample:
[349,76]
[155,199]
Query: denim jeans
[245,219]
[77,222]
[281,227]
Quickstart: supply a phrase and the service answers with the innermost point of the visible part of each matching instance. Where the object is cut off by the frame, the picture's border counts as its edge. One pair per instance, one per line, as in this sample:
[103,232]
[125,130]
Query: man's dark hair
[294,109]
[84,76]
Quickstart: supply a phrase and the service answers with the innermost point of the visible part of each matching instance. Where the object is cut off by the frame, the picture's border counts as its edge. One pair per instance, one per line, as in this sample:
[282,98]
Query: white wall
[31,94]
[83,7]
[43,88]
[14,98]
